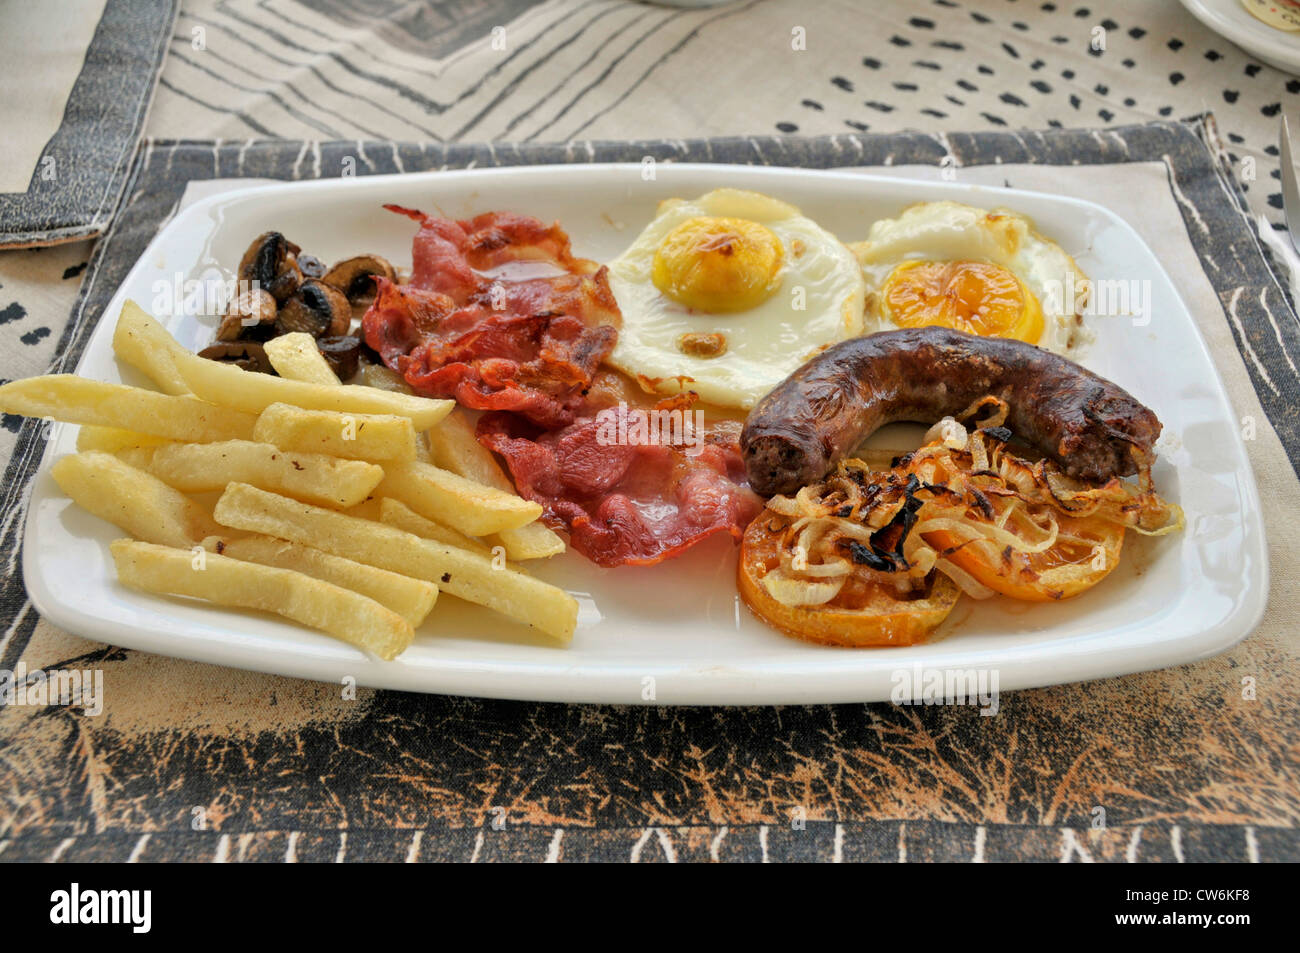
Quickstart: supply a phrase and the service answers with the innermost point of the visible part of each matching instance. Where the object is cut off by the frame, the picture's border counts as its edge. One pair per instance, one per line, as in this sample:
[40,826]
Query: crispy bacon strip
[529,346]
[529,349]
[626,503]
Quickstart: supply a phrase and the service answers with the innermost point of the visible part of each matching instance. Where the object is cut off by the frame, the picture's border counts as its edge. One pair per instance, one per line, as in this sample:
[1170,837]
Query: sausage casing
[1089,426]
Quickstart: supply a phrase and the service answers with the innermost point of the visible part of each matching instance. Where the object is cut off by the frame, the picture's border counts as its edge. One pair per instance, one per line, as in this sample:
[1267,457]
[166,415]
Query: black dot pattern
[948,65]
[37,286]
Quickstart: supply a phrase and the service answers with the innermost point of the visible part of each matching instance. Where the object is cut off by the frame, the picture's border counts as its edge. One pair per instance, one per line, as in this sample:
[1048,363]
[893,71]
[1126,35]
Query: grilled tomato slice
[836,602]
[1086,549]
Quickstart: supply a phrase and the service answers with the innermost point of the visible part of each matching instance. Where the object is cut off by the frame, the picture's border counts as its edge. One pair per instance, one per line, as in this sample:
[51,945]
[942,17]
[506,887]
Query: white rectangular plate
[677,633]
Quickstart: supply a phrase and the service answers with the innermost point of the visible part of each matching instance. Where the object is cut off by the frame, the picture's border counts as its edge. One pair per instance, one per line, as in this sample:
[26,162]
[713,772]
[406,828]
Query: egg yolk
[718,264]
[972,296]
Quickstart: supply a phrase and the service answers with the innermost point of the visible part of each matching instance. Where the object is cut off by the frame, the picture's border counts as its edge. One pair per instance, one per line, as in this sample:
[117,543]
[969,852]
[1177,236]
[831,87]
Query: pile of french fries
[346,508]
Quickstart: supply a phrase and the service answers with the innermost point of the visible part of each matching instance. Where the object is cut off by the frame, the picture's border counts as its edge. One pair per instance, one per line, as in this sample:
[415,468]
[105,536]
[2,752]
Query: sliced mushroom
[250,315]
[341,353]
[354,276]
[250,355]
[265,257]
[286,282]
[317,309]
[311,266]
[271,261]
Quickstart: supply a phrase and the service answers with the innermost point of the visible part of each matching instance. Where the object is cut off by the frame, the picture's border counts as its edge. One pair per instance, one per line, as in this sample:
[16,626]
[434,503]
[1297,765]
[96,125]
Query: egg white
[951,231]
[763,344]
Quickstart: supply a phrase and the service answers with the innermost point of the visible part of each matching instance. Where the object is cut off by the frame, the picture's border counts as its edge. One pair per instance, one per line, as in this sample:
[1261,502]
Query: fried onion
[962,485]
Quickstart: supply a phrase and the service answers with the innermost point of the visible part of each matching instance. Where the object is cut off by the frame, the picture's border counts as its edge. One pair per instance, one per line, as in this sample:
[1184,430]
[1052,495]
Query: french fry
[77,400]
[454,446]
[468,575]
[454,501]
[354,436]
[534,541]
[252,392]
[368,509]
[377,375]
[132,500]
[139,340]
[408,597]
[396,513]
[139,457]
[113,439]
[342,613]
[314,477]
[296,357]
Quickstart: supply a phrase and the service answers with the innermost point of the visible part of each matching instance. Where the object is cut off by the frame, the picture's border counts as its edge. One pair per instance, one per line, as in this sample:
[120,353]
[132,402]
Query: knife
[1290,184]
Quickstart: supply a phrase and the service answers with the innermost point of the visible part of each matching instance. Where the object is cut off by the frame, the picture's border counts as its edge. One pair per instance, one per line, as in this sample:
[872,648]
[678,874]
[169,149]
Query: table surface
[513,70]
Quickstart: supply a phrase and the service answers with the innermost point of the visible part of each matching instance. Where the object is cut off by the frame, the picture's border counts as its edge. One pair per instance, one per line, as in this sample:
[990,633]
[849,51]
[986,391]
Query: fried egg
[727,294]
[983,272]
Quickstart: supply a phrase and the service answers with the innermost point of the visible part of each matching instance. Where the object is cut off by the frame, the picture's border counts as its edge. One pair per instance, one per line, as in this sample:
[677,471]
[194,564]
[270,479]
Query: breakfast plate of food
[661,433]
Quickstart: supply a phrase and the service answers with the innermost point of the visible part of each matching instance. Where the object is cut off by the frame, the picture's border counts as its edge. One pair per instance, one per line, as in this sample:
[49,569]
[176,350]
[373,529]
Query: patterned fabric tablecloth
[1182,766]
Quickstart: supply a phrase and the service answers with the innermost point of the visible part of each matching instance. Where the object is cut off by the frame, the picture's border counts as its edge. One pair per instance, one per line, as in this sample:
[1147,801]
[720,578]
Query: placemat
[78,177]
[200,763]
[522,70]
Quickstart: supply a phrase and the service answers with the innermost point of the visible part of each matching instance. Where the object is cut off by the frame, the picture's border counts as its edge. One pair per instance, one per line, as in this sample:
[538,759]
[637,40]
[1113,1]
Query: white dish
[678,631]
[1233,22]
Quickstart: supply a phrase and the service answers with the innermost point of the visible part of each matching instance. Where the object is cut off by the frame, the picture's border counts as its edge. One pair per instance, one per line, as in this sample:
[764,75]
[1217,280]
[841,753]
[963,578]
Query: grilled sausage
[1093,429]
